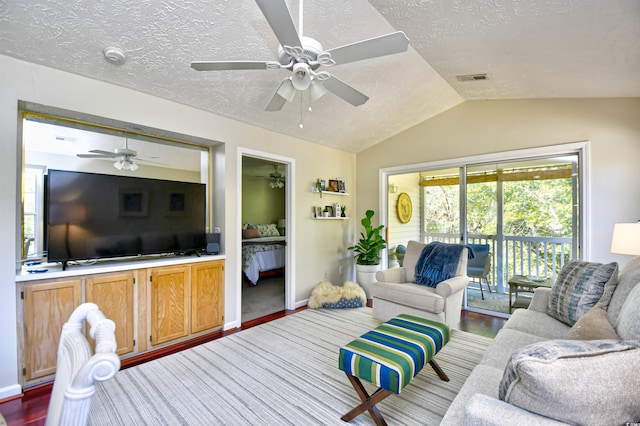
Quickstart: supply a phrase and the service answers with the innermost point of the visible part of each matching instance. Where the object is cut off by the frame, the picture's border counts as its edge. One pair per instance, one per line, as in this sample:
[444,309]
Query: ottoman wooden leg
[368,402]
[438,370]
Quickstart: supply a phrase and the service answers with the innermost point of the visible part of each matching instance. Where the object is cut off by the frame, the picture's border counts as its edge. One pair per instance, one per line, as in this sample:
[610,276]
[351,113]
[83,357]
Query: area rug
[284,372]
[497,302]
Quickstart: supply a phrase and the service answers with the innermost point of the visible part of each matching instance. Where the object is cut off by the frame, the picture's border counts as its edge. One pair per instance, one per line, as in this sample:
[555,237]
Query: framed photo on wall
[333,186]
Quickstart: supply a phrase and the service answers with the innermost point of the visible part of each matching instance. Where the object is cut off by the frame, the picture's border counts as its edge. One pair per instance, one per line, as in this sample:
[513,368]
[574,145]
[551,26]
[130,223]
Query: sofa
[540,370]
[394,291]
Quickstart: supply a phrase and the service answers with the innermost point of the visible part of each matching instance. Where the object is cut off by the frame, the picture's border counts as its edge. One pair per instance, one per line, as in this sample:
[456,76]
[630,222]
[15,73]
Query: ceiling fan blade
[285,92]
[233,65]
[93,156]
[105,153]
[378,46]
[98,153]
[344,91]
[279,18]
[276,103]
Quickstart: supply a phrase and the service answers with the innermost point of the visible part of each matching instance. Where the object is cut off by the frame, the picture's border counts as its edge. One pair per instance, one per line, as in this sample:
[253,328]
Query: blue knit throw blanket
[438,262]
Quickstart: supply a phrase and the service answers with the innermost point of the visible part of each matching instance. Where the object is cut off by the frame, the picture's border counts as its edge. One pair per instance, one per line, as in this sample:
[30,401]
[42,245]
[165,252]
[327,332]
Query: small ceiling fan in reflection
[277,179]
[304,56]
[124,157]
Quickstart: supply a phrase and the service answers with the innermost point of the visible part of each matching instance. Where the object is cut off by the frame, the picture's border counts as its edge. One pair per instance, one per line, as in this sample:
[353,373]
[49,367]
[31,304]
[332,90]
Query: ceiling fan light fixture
[301,77]
[276,184]
[125,164]
[316,90]
[286,90]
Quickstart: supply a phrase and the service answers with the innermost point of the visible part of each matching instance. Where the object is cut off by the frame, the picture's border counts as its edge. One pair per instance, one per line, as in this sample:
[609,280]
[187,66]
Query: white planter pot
[366,274]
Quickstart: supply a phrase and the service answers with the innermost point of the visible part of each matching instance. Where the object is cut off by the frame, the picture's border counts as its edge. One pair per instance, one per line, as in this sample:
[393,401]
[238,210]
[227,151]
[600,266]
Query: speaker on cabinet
[213,243]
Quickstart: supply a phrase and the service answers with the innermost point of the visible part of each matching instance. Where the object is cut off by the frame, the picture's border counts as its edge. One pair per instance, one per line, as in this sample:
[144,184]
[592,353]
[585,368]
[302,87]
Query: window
[32,207]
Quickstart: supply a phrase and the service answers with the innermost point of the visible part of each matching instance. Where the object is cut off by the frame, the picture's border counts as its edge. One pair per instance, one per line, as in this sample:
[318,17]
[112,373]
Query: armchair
[480,265]
[395,293]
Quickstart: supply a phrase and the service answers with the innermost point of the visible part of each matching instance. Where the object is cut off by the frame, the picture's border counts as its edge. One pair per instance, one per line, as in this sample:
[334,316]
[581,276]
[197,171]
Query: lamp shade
[626,238]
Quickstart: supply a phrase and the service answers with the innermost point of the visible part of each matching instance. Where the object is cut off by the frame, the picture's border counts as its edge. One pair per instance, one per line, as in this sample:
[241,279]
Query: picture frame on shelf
[342,187]
[323,185]
[329,209]
[333,186]
[318,211]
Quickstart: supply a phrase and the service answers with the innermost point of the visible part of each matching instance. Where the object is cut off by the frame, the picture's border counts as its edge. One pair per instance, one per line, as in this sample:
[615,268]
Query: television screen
[90,215]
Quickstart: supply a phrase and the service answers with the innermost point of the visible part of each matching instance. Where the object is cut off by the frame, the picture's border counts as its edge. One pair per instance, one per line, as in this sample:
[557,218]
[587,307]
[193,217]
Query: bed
[263,252]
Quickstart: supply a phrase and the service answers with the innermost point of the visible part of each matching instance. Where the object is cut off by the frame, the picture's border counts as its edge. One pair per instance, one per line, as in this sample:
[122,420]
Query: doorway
[264,242]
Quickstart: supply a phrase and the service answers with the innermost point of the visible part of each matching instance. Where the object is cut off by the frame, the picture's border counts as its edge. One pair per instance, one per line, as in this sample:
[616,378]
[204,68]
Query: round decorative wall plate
[404,207]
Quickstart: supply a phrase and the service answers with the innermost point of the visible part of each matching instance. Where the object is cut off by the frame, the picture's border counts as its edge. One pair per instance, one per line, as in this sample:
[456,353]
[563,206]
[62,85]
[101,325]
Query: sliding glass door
[528,213]
[524,211]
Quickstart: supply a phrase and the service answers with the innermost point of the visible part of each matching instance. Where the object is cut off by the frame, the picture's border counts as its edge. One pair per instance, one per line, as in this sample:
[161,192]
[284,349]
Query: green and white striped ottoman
[389,356]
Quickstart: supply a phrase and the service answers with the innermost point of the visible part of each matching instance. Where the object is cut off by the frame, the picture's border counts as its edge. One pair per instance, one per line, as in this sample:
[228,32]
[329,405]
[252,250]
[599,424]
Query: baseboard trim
[10,391]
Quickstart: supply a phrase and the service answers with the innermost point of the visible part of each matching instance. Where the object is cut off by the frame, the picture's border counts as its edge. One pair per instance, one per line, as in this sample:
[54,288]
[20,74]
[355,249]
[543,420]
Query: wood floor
[31,408]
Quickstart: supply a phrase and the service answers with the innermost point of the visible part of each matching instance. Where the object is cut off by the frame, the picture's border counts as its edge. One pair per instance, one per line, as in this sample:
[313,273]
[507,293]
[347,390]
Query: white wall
[612,127]
[321,246]
[401,233]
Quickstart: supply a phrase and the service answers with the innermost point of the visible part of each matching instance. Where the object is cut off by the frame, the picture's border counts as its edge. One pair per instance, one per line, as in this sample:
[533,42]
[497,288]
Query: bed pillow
[268,230]
[580,285]
[575,381]
[593,325]
[250,233]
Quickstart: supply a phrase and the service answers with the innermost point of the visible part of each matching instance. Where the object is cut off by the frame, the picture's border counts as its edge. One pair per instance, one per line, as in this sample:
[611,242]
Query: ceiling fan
[304,56]
[277,179]
[124,156]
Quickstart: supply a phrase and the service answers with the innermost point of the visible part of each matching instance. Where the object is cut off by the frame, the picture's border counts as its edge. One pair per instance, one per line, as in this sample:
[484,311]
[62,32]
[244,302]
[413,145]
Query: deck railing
[513,255]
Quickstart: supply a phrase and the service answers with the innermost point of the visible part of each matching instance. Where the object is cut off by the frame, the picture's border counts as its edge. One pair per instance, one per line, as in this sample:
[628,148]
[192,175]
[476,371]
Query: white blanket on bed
[264,261]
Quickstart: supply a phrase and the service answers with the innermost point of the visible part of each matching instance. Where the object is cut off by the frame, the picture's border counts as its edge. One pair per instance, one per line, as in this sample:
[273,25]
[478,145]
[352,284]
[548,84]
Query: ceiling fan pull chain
[301,108]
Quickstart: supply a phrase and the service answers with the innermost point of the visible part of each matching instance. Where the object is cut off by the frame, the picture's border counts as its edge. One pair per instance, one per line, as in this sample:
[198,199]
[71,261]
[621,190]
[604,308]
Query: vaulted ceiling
[526,48]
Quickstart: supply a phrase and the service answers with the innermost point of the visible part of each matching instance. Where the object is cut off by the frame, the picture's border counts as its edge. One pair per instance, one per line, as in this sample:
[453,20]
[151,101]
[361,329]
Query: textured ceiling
[528,48]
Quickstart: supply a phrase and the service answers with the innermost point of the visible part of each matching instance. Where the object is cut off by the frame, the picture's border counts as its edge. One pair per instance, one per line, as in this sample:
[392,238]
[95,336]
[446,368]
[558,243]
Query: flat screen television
[91,216]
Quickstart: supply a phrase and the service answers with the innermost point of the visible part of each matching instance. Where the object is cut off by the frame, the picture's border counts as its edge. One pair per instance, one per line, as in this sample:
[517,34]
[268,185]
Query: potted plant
[319,186]
[368,252]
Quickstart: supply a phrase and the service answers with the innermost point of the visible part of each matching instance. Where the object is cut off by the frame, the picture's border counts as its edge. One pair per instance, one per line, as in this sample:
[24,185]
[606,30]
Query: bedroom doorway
[264,236]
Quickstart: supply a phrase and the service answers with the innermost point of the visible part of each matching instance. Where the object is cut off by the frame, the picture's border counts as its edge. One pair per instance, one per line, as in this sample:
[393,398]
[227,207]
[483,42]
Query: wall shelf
[331,193]
[330,218]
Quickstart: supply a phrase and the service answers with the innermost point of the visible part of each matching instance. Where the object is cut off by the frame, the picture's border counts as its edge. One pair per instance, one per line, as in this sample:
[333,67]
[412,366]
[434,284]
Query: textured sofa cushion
[537,323]
[576,381]
[628,326]
[580,285]
[628,279]
[593,325]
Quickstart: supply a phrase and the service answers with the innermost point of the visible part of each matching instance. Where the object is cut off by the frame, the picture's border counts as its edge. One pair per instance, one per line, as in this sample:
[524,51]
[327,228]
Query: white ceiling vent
[472,77]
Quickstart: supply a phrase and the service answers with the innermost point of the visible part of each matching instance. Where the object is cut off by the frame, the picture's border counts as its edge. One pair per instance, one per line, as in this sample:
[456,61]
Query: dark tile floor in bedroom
[31,408]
